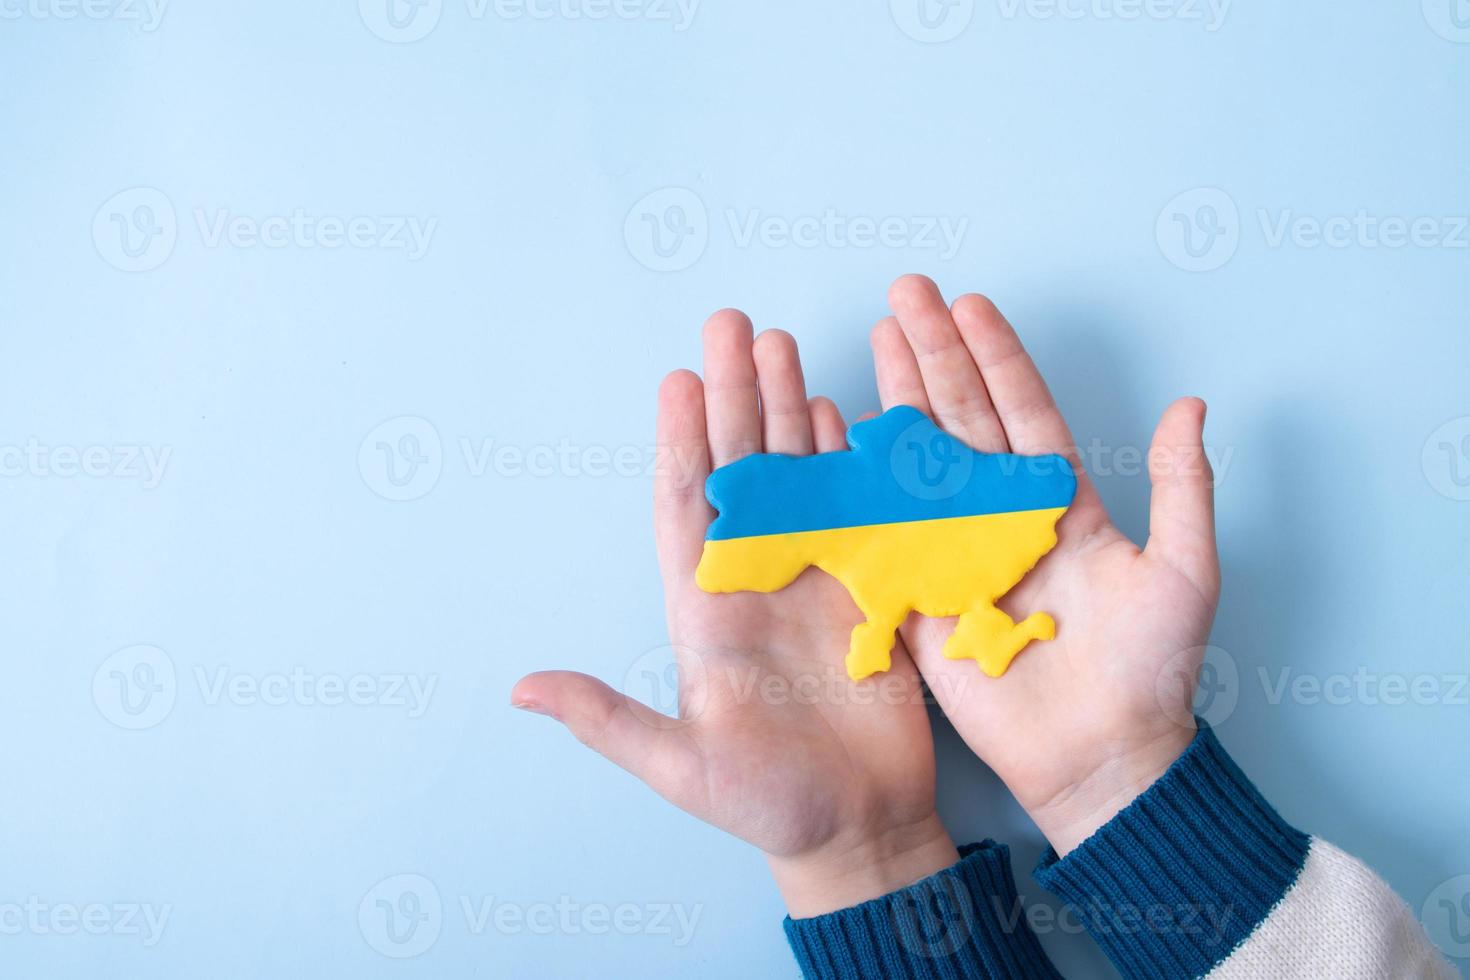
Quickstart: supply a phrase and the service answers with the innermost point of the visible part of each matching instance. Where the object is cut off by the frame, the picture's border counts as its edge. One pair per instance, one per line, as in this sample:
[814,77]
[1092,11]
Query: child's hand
[833,780]
[1080,725]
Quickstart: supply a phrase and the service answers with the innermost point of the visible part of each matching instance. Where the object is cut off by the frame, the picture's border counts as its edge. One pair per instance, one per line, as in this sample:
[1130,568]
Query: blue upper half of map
[901,467]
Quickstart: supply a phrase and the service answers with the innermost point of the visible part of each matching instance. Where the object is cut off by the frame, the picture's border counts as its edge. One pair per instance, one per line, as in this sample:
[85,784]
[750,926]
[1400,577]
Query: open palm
[1078,725]
[834,781]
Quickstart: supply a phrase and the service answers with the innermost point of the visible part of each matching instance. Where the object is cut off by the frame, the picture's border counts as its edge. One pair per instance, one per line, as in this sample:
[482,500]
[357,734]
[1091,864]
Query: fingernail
[532,706]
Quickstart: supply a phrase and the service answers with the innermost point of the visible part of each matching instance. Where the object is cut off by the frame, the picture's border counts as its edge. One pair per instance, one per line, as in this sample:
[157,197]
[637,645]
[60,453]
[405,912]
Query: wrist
[848,872]
[1108,786]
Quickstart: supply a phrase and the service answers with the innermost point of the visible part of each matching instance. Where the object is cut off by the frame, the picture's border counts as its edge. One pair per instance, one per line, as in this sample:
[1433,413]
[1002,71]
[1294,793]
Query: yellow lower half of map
[955,566]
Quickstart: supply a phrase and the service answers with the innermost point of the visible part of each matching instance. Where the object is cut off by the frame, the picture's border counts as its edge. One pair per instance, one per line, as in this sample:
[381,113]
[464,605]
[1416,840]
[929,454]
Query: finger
[654,747]
[680,512]
[1033,424]
[829,433]
[785,425]
[731,405]
[956,389]
[1181,521]
[899,380]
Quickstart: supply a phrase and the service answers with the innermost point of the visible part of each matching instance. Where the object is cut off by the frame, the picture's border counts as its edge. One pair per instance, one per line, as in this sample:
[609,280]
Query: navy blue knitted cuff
[1178,879]
[964,921]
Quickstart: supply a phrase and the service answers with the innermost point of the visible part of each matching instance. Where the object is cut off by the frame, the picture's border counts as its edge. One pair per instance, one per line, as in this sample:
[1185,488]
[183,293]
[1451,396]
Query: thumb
[652,746]
[1181,525]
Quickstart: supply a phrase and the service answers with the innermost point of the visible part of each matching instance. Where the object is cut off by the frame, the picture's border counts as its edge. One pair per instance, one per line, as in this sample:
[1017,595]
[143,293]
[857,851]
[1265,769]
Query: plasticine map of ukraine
[910,519]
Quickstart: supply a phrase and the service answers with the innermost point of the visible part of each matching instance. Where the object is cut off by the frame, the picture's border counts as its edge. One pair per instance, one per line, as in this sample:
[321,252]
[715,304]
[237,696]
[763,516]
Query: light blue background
[531,321]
